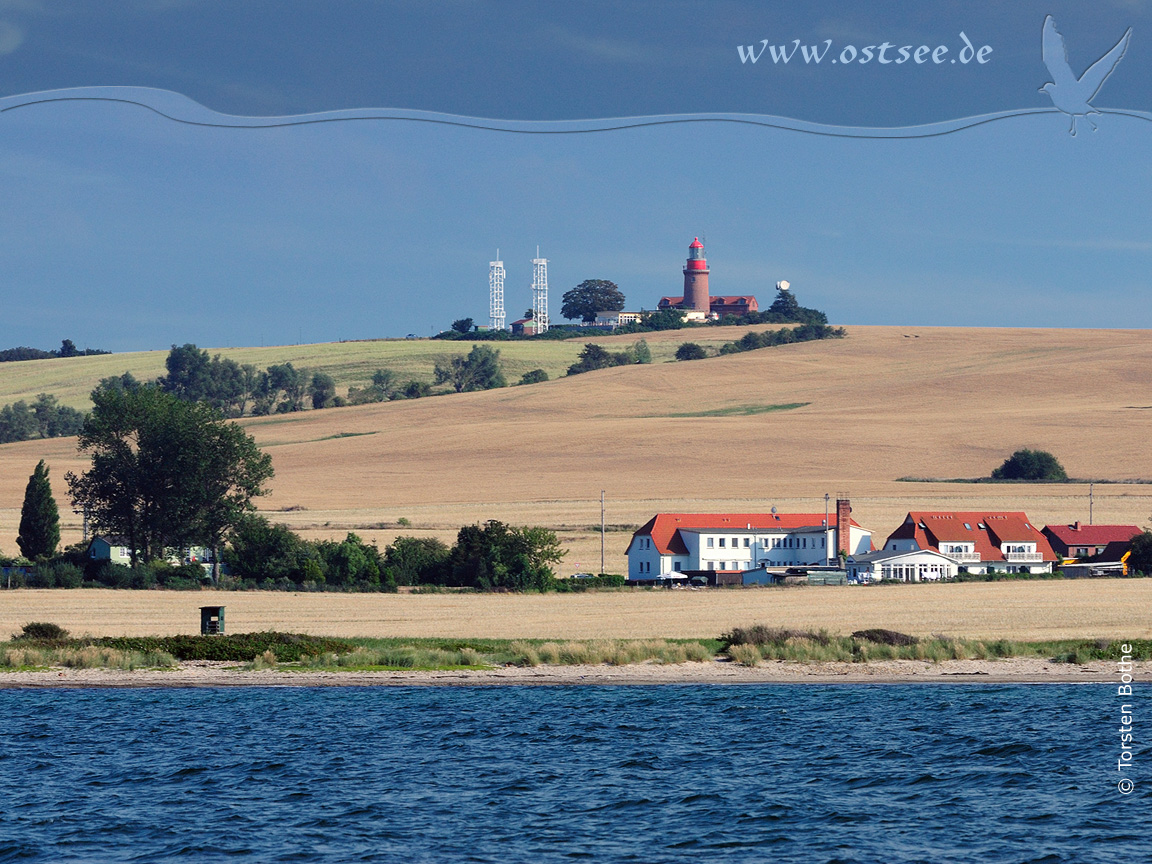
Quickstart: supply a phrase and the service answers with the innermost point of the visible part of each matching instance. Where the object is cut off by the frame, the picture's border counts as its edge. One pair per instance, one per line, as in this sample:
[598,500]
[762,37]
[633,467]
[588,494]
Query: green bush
[41,631]
[240,647]
[1030,465]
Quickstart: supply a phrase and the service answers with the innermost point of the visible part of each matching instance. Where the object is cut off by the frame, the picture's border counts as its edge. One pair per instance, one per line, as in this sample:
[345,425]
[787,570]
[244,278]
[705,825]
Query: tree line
[67,349]
[44,418]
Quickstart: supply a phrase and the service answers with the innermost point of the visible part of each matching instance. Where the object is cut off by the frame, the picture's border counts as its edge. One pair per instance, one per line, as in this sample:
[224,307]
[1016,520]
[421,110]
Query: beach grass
[746,647]
[752,645]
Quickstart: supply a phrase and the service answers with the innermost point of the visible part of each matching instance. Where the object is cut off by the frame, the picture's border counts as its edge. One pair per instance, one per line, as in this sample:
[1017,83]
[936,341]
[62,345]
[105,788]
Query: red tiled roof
[1091,535]
[664,528]
[987,530]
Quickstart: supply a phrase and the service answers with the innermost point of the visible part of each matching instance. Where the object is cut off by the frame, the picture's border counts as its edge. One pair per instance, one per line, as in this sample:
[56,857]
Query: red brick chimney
[843,521]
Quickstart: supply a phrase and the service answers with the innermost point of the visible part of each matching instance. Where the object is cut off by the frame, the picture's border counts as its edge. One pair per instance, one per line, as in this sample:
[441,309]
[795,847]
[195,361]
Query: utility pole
[1090,485]
[601,532]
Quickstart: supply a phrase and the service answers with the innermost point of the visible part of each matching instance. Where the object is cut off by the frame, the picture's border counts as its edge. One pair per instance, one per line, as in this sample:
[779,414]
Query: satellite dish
[783,285]
[773,509]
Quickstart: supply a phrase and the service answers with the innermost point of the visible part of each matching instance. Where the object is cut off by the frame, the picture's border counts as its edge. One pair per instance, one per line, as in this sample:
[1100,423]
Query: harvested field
[884,403]
[1031,611]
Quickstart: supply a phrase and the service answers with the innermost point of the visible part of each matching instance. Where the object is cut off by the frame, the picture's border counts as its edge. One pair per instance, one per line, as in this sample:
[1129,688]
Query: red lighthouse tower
[696,279]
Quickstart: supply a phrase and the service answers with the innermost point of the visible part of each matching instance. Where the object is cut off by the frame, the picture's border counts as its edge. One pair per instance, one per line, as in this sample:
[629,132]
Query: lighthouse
[696,279]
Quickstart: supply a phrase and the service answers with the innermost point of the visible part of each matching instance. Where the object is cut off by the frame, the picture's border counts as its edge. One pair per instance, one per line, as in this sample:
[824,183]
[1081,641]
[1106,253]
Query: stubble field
[1031,611]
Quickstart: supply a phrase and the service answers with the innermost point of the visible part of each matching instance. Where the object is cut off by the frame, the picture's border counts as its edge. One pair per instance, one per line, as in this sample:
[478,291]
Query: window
[676,566]
[746,543]
[711,565]
[722,542]
[709,543]
[804,542]
[966,525]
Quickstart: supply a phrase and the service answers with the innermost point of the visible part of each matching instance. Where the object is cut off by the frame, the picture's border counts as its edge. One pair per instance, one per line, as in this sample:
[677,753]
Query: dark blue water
[903,773]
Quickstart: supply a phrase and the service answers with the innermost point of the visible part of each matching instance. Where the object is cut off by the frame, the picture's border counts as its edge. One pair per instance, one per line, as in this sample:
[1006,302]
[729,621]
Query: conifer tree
[39,518]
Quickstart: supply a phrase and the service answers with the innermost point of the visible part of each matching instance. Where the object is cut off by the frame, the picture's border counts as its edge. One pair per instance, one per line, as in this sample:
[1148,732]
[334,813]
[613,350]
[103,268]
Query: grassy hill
[884,403]
[351,364]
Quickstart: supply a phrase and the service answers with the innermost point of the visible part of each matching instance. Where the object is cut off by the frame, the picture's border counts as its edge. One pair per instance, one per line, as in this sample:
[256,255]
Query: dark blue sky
[122,229]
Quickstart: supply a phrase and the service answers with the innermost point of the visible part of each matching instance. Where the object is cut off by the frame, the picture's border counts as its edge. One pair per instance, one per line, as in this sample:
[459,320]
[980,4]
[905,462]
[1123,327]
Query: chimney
[843,521]
[1076,525]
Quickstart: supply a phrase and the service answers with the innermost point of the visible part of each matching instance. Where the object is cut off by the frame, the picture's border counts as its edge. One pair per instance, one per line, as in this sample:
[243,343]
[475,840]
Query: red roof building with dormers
[979,540]
[1089,541]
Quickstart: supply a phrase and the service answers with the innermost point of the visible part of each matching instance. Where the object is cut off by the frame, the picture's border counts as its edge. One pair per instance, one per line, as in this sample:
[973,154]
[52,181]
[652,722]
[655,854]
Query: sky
[147,218]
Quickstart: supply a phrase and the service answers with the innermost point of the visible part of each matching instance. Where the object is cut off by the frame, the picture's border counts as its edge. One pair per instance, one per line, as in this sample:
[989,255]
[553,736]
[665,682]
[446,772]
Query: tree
[1030,465]
[589,297]
[322,390]
[480,370]
[384,387]
[416,560]
[495,555]
[189,373]
[691,351]
[1140,559]
[165,473]
[39,519]
[462,325]
[536,376]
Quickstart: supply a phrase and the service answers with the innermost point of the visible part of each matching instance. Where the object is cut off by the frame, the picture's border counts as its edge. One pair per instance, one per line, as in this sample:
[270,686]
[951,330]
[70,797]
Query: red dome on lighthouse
[696,260]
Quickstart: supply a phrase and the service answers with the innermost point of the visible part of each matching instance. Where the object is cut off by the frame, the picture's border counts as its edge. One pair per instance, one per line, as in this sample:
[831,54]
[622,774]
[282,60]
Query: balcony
[1024,557]
[964,557]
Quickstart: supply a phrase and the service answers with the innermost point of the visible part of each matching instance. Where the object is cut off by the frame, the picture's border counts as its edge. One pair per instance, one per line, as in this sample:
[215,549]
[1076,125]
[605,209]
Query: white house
[671,543]
[980,541]
[119,551]
[903,566]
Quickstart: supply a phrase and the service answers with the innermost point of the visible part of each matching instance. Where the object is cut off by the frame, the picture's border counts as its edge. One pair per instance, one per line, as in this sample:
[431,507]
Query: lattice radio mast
[540,293]
[496,293]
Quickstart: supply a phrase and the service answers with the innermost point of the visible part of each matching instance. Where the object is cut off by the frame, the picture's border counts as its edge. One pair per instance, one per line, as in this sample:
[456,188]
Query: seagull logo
[1070,94]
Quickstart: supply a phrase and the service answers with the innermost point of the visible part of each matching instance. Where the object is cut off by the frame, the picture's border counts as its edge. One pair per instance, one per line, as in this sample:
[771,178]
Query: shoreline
[225,674]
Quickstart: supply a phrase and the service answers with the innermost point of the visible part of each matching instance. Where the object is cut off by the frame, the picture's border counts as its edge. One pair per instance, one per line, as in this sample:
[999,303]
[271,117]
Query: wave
[182,109]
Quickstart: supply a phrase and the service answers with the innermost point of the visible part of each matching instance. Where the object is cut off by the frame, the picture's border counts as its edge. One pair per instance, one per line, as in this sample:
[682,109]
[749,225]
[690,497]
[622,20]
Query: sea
[703,773]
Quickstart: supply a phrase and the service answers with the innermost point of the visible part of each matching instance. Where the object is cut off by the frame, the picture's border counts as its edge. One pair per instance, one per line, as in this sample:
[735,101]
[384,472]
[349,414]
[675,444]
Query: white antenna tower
[540,293]
[496,293]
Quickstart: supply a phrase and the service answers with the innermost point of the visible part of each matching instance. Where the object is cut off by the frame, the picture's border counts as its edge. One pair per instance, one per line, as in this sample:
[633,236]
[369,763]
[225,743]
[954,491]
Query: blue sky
[124,230]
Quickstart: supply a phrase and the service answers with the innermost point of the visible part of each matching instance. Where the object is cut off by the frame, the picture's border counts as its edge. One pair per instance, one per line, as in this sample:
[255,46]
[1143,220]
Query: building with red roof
[696,301]
[672,543]
[980,541]
[1090,541]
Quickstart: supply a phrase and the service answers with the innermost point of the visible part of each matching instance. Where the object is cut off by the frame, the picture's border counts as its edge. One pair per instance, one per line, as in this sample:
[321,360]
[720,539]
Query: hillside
[882,404]
[351,364]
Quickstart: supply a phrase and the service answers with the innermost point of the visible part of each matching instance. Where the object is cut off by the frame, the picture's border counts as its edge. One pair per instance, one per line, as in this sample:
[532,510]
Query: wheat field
[884,403]
[1059,609]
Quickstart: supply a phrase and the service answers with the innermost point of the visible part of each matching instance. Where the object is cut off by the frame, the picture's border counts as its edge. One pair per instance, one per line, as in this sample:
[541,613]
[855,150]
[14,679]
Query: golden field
[1102,608]
[884,403]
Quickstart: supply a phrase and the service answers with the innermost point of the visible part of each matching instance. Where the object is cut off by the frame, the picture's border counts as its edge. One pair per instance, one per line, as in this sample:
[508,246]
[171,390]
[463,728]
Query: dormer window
[966,525]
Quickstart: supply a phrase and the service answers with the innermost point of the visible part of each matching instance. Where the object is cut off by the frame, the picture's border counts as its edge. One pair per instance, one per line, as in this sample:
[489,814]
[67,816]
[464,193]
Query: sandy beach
[224,674]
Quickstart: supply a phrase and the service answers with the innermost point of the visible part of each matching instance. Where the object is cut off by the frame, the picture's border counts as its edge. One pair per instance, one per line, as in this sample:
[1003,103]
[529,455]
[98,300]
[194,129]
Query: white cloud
[11,37]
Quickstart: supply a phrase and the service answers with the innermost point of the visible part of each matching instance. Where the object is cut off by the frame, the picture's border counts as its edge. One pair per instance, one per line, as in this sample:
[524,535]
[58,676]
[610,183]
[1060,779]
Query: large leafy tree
[589,297]
[165,473]
[39,519]
[480,370]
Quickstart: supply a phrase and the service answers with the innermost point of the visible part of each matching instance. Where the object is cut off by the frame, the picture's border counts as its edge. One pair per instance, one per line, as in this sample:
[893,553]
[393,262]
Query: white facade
[742,549]
[902,566]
